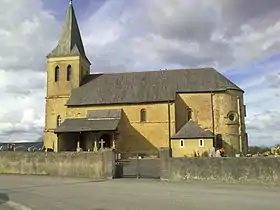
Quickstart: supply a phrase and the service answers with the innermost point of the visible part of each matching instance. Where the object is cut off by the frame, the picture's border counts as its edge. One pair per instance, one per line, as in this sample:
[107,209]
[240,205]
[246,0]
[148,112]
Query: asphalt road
[49,193]
[3,207]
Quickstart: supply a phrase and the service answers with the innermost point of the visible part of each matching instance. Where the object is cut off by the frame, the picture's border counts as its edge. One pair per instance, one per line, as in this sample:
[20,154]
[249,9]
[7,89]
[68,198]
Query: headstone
[218,153]
[95,146]
[78,146]
[212,152]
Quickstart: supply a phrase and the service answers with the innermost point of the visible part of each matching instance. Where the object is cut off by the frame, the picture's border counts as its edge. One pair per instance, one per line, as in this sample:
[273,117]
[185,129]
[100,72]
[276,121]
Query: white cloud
[185,33]
[27,32]
[262,99]
[22,105]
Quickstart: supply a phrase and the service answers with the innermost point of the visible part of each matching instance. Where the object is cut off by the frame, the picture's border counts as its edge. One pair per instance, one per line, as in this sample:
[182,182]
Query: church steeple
[70,42]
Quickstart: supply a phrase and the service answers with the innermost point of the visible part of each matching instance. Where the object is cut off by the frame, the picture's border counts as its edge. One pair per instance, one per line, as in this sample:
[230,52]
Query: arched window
[56,74]
[143,115]
[69,72]
[58,121]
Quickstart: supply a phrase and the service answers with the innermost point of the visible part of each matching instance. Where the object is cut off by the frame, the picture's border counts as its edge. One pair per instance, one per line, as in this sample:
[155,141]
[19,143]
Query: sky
[239,38]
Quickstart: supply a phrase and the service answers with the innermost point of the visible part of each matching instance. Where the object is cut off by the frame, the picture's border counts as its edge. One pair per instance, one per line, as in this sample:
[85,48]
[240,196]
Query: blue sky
[239,38]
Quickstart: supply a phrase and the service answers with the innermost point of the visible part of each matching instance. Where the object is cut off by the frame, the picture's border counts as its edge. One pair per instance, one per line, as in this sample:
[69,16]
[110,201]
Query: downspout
[239,125]
[169,130]
[213,119]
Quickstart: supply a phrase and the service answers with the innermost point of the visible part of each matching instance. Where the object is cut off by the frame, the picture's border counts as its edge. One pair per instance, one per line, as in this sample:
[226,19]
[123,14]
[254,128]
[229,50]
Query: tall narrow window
[143,115]
[182,143]
[58,121]
[201,143]
[69,72]
[56,73]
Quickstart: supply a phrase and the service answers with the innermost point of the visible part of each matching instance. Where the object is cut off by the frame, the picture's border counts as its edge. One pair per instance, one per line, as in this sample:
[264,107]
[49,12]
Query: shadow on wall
[131,140]
[181,113]
[219,143]
[68,142]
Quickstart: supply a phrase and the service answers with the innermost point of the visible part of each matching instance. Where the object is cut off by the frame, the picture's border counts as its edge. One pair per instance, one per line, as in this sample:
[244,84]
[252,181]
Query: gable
[192,130]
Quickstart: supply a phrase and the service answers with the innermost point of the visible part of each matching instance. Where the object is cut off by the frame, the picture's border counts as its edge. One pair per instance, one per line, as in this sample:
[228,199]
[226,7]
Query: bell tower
[67,64]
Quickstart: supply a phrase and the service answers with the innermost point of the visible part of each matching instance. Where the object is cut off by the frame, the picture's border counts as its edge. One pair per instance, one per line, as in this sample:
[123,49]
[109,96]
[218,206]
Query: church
[188,111]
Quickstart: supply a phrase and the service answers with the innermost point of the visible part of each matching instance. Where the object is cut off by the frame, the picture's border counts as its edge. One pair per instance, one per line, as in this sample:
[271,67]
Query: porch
[86,141]
[99,130]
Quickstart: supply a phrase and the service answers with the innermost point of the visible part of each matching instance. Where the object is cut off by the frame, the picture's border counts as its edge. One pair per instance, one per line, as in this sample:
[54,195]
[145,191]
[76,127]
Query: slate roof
[84,124]
[70,42]
[104,114]
[147,86]
[192,130]
[96,120]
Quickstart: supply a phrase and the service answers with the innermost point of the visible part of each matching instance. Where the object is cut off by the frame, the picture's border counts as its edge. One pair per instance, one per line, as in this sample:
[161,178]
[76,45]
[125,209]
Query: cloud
[26,36]
[22,105]
[262,99]
[27,32]
[182,33]
[239,11]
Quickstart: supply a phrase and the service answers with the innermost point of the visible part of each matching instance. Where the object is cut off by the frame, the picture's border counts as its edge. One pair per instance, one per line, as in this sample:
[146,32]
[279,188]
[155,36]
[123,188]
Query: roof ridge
[164,70]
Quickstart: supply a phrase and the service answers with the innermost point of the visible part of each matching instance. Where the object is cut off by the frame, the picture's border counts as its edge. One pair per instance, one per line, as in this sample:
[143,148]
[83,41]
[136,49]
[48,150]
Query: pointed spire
[70,42]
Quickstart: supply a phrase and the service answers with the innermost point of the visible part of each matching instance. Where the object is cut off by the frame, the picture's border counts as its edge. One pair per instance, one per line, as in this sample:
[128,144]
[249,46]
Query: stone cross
[102,144]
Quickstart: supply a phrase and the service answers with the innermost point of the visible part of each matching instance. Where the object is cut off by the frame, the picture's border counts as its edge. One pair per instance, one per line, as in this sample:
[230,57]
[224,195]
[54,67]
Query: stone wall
[99,165]
[262,170]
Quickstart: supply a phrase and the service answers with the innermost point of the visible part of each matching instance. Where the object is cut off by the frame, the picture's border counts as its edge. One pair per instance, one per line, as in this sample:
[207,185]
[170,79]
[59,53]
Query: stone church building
[187,110]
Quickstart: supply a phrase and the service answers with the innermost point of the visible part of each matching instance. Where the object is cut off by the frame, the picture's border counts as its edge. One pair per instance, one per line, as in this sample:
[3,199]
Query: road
[50,193]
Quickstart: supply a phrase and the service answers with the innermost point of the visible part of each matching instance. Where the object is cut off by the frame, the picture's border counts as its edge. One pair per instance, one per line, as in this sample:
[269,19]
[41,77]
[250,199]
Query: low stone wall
[99,165]
[262,170]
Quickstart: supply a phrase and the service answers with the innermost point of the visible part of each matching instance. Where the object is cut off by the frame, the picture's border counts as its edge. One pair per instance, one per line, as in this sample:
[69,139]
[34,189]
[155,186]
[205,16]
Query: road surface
[50,193]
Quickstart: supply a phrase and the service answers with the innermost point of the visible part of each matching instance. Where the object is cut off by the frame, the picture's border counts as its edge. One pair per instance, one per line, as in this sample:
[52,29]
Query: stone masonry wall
[263,170]
[99,165]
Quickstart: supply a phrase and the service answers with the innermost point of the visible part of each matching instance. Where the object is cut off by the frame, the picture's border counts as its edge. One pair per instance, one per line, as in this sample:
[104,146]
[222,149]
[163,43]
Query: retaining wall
[98,165]
[261,170]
